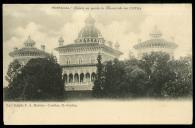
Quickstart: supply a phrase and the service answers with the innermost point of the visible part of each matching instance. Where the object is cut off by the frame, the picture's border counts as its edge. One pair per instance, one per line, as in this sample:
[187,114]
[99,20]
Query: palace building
[28,52]
[79,59]
[154,44]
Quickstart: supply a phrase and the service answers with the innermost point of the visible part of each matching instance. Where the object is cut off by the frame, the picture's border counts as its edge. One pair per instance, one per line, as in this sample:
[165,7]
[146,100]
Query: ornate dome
[89,33]
[28,50]
[155,42]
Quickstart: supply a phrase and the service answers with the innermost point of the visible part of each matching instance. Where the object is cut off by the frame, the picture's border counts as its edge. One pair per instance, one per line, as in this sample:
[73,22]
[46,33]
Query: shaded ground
[68,95]
[78,95]
[87,95]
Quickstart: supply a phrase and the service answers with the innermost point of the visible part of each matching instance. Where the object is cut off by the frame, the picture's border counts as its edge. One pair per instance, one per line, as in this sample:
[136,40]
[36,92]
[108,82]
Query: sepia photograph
[97,63]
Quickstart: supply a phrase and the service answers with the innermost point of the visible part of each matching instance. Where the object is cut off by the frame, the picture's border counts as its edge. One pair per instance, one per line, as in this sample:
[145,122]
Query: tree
[98,83]
[136,82]
[14,78]
[114,78]
[40,78]
[13,70]
[181,86]
[154,75]
[43,80]
[52,58]
[158,71]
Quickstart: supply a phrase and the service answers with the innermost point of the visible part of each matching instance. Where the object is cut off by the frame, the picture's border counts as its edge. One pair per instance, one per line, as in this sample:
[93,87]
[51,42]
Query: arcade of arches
[79,78]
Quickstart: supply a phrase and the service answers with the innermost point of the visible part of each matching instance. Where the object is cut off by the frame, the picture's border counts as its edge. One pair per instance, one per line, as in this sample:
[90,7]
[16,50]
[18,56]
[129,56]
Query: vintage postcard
[97,63]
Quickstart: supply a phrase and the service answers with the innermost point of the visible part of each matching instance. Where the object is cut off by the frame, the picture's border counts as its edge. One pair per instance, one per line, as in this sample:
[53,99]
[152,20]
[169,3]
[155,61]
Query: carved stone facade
[79,59]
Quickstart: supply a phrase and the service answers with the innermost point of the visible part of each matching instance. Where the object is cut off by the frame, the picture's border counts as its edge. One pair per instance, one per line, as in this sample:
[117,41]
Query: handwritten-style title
[97,8]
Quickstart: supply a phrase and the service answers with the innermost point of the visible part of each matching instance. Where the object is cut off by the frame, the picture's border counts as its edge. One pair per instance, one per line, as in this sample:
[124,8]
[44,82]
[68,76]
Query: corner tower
[155,44]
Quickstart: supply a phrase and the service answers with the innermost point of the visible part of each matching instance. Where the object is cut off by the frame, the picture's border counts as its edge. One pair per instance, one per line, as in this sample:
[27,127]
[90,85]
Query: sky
[125,23]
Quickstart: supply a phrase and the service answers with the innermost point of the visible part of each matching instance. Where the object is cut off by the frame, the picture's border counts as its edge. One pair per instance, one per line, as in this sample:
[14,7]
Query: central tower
[89,33]
[79,59]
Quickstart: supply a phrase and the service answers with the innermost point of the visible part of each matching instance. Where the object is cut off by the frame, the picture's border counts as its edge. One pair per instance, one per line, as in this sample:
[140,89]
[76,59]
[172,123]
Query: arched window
[68,61]
[93,75]
[70,78]
[76,78]
[87,76]
[81,77]
[80,60]
[65,78]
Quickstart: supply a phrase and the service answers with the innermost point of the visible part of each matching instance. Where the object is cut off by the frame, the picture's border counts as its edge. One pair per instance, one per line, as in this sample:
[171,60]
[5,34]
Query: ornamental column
[90,77]
[79,78]
[73,78]
[67,78]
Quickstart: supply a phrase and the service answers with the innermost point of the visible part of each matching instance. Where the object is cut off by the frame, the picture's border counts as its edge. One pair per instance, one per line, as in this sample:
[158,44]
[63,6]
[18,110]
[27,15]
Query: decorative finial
[61,41]
[29,42]
[155,33]
[29,38]
[43,47]
[109,43]
[89,20]
[15,48]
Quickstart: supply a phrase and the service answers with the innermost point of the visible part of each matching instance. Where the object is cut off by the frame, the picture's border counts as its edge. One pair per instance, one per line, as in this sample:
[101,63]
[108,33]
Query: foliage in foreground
[155,75]
[40,78]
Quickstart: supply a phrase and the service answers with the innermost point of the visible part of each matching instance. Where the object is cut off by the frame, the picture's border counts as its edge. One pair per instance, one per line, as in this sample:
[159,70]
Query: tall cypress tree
[98,83]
